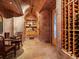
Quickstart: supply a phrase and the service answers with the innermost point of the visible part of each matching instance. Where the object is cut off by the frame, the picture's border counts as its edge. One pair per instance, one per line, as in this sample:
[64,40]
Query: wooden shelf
[70,38]
[31,27]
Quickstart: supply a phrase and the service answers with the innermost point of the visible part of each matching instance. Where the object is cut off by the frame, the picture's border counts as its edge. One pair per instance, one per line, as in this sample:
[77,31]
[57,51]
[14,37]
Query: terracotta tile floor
[34,49]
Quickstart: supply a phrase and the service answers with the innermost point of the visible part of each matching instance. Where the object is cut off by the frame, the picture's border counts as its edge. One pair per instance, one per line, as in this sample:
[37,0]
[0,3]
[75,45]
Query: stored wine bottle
[71,35]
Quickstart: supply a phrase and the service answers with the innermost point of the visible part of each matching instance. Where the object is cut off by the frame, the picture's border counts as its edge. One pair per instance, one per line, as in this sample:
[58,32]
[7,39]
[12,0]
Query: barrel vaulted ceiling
[13,8]
[41,4]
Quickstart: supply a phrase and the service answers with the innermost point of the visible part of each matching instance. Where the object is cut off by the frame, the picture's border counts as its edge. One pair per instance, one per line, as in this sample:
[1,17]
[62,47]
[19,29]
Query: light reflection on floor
[34,49]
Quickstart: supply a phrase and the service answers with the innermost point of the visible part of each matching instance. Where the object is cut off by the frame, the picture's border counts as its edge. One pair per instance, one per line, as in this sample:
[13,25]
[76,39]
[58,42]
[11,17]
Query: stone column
[54,40]
[58,14]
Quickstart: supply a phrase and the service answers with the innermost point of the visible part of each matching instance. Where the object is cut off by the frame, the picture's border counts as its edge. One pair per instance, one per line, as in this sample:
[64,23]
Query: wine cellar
[31,27]
[70,33]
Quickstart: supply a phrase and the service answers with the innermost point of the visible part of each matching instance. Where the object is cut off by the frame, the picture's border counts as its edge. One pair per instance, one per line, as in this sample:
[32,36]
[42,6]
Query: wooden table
[15,42]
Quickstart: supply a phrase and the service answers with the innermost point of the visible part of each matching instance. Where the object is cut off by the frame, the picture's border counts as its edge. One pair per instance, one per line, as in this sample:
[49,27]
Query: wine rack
[77,43]
[70,33]
[63,40]
[31,27]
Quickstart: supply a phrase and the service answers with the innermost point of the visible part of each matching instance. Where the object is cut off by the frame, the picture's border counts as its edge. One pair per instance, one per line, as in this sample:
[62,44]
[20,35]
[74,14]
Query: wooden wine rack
[70,33]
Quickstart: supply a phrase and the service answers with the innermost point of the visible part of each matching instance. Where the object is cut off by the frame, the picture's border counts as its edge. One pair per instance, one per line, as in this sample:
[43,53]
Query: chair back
[2,46]
[6,35]
[19,35]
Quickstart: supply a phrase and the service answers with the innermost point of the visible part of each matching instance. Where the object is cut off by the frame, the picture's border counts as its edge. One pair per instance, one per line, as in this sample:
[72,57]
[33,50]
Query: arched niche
[31,25]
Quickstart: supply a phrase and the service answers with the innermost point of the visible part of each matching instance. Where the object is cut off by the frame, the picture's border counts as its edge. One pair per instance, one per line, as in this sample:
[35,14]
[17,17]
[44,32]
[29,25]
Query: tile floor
[34,49]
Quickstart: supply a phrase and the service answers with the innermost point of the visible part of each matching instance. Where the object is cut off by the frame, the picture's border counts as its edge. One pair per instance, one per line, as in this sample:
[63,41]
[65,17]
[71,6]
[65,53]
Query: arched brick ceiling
[26,1]
[37,4]
[41,4]
[50,4]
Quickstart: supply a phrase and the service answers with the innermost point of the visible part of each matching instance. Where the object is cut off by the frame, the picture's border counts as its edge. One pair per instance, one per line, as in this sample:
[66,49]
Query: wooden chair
[6,49]
[19,37]
[6,35]
[17,41]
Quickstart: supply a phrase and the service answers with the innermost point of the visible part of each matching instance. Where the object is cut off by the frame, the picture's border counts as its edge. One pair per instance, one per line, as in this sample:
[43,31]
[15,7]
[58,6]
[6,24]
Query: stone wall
[44,26]
[58,15]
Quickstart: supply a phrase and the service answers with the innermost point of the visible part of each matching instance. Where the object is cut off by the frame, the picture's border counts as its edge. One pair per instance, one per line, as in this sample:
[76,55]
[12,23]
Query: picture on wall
[1,25]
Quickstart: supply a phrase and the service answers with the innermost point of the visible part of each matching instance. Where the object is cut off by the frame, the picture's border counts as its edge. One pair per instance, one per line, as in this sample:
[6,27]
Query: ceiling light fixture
[10,2]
